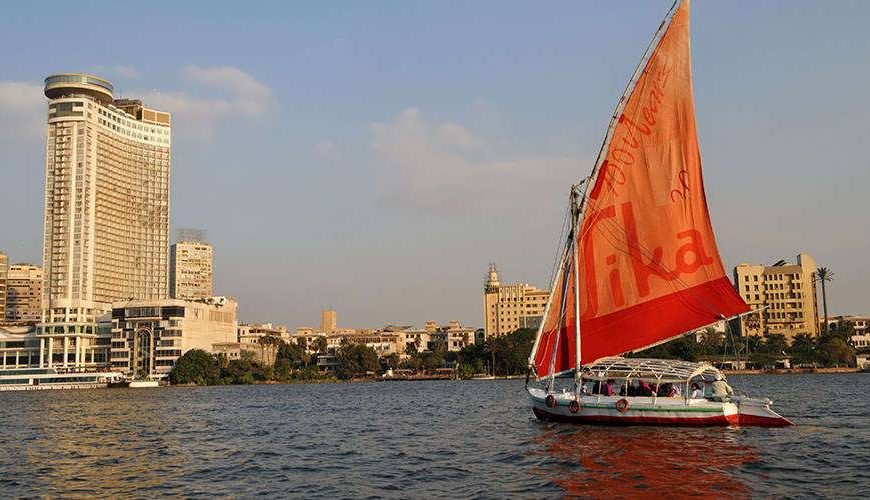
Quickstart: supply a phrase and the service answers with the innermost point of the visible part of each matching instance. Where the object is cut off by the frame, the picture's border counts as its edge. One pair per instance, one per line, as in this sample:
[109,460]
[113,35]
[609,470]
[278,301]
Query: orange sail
[649,267]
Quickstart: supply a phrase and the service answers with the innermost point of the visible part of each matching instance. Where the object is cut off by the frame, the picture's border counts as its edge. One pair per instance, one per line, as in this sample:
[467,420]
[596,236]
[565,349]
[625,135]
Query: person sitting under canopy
[720,390]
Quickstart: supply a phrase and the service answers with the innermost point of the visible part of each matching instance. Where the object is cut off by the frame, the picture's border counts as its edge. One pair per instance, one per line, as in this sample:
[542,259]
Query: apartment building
[190,270]
[507,308]
[783,296]
[24,293]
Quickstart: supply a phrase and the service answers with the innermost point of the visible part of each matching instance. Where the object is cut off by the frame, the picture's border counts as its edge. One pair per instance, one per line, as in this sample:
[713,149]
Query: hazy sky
[375,156]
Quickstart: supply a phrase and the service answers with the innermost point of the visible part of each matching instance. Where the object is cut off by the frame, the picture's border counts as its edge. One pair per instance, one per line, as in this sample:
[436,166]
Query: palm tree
[824,275]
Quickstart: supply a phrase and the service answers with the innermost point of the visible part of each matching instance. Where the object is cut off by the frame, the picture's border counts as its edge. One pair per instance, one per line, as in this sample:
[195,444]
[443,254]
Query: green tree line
[831,348]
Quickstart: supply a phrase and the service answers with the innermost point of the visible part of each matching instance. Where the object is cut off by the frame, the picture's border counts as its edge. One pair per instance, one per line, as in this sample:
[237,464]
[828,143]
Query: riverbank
[792,371]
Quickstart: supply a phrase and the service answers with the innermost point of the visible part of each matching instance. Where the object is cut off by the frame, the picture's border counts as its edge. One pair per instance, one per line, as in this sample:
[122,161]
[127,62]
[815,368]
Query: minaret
[490,302]
[492,283]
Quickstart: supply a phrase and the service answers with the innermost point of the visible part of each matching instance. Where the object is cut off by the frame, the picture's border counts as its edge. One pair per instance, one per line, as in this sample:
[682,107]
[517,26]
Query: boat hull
[610,410]
[143,384]
[53,386]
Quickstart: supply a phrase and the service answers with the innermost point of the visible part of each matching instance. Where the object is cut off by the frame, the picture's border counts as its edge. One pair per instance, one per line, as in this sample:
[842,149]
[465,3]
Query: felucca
[640,266]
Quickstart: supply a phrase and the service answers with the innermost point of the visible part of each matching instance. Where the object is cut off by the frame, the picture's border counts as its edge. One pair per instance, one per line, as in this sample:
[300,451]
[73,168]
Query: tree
[684,348]
[392,361]
[356,359]
[824,275]
[774,344]
[270,344]
[803,349]
[711,342]
[195,367]
[245,370]
[294,353]
[834,351]
[320,345]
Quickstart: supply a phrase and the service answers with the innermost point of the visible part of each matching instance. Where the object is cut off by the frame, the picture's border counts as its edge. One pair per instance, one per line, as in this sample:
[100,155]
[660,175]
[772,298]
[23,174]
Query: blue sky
[375,156]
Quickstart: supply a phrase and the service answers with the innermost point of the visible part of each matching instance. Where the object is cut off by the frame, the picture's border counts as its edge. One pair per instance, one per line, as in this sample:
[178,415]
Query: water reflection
[646,461]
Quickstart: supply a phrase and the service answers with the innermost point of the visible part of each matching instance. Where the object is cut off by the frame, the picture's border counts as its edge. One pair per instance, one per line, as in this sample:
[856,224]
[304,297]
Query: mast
[575,211]
[553,284]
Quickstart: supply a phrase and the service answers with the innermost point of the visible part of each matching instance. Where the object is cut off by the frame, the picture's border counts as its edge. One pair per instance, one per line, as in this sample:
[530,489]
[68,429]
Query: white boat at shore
[639,266]
[143,384]
[40,379]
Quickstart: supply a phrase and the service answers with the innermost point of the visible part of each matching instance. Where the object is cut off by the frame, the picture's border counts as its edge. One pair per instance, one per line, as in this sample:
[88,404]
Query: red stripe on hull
[718,420]
[760,421]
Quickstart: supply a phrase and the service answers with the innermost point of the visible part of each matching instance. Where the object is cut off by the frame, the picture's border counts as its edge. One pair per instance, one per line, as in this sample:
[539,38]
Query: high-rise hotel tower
[106,203]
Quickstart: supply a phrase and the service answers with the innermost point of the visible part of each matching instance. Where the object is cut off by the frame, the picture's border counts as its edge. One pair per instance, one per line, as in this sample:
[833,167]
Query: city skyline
[416,184]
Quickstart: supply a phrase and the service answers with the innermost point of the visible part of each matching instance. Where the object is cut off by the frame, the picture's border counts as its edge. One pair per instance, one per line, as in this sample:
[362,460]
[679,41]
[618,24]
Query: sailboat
[640,266]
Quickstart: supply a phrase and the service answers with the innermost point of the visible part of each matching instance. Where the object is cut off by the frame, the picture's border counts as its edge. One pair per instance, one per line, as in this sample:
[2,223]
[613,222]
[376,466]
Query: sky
[374,157]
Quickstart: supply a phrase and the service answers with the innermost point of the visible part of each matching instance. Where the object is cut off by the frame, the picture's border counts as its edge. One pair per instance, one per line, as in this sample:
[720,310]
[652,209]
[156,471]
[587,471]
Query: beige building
[252,333]
[106,202]
[4,264]
[452,337]
[784,296]
[860,329]
[190,270]
[148,336]
[507,308]
[328,320]
[24,293]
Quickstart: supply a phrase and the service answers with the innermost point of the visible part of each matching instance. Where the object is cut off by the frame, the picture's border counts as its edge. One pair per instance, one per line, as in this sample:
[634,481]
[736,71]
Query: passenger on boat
[720,390]
[644,389]
[664,390]
[605,389]
[697,392]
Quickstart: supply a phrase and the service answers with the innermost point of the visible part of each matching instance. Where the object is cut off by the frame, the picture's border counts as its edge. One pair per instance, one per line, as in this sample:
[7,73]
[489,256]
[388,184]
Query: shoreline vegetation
[503,357]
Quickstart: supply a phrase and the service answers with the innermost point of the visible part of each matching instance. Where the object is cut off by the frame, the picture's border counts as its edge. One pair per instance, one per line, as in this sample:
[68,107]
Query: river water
[419,439]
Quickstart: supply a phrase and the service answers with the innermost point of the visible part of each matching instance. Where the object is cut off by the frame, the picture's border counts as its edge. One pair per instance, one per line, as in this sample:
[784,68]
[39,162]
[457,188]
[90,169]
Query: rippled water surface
[419,439]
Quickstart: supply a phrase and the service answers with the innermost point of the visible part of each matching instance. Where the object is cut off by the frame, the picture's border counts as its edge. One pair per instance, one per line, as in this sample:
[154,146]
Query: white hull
[143,384]
[49,387]
[45,379]
[622,410]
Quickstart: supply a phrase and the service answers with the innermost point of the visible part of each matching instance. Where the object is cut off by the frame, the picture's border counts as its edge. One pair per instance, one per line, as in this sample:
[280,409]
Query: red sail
[649,265]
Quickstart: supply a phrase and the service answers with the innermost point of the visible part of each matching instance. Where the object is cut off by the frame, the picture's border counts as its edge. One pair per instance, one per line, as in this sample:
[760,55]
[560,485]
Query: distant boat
[143,384]
[640,266]
[39,379]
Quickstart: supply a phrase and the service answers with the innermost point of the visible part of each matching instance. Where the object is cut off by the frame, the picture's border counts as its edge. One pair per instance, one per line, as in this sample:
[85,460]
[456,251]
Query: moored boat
[37,379]
[640,266]
[143,384]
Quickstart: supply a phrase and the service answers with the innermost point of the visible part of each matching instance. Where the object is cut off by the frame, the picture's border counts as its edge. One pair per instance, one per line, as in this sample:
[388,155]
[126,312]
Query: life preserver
[622,405]
[551,401]
[574,406]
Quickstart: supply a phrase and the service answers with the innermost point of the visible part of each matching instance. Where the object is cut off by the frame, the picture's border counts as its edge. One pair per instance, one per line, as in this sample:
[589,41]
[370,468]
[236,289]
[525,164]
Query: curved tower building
[106,235]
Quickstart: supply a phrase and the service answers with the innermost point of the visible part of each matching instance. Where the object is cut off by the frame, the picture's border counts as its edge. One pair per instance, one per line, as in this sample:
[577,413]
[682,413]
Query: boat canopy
[661,370]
